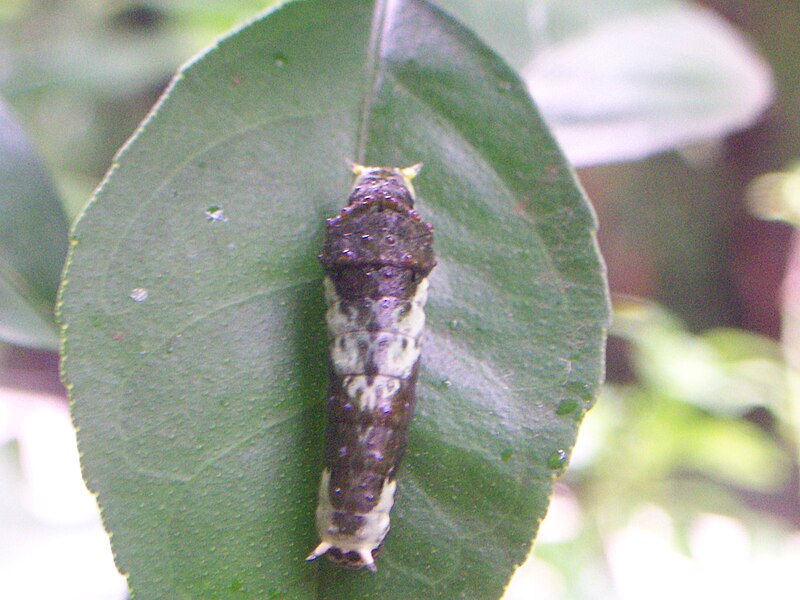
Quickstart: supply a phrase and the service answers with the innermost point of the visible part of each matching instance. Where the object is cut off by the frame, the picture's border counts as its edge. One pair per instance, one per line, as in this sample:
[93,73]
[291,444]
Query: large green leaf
[194,319]
[33,242]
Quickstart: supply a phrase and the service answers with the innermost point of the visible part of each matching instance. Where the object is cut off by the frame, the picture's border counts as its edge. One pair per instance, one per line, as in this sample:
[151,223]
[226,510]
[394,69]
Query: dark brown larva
[377,256]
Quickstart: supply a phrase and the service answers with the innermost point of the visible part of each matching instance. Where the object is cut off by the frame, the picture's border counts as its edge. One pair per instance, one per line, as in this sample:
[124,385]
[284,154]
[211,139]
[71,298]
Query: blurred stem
[776,196]
[790,334]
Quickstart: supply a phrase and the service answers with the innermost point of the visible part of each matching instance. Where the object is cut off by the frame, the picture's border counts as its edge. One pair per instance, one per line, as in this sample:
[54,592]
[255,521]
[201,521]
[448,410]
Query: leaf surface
[195,347]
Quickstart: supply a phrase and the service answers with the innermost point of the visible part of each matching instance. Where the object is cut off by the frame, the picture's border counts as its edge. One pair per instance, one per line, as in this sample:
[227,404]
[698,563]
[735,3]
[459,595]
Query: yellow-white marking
[340,320]
[393,350]
[393,355]
[413,321]
[407,174]
[363,541]
[330,291]
[366,396]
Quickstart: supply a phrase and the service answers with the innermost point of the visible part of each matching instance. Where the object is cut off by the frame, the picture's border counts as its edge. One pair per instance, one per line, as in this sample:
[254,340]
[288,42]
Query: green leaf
[33,242]
[195,348]
[623,79]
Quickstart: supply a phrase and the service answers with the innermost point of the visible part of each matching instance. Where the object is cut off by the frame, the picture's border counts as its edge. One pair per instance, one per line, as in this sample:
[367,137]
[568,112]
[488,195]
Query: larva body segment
[377,256]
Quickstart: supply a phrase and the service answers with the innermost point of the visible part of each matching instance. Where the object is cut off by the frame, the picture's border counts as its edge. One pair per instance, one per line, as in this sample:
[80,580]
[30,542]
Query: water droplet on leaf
[139,294]
[557,459]
[214,214]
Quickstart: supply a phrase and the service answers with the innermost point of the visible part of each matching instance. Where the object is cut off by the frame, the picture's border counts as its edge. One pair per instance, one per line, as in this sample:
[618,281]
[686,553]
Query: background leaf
[624,79]
[194,320]
[33,242]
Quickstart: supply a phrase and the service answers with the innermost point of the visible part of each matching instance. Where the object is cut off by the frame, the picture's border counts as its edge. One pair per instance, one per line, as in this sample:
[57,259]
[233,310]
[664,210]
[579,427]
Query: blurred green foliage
[703,427]
[33,241]
[82,74]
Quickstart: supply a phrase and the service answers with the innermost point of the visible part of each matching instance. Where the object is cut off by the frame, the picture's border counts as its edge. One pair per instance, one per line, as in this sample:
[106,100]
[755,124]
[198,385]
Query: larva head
[384,183]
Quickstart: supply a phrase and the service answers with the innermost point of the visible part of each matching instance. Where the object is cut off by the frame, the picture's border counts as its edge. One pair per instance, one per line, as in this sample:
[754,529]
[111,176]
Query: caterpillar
[376,257]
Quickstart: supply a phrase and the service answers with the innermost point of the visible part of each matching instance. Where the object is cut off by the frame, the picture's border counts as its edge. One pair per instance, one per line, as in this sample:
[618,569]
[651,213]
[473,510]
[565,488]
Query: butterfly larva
[377,256]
